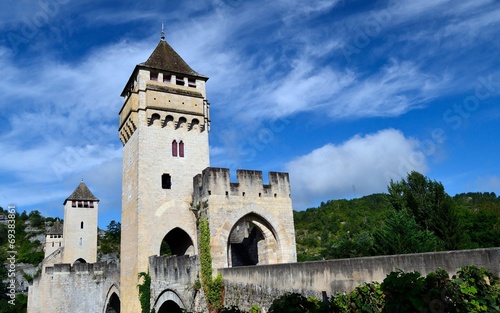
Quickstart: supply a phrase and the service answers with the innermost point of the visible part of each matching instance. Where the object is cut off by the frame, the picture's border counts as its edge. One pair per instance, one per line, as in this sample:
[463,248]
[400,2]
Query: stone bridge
[174,280]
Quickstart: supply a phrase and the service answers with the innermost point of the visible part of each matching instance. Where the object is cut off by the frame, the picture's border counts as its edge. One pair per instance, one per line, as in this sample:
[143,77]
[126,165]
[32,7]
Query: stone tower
[80,226]
[54,238]
[164,124]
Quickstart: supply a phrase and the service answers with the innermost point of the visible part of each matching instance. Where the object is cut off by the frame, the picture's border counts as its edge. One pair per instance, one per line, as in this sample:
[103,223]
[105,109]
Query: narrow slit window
[181,149]
[81,225]
[166,181]
[174,148]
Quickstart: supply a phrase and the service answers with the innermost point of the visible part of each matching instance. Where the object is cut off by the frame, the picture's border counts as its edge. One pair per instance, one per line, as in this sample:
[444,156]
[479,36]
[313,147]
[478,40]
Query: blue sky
[343,95]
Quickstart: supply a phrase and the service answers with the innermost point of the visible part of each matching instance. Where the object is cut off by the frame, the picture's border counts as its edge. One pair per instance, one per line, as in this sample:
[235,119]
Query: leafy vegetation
[213,287]
[416,215]
[145,292]
[109,242]
[471,290]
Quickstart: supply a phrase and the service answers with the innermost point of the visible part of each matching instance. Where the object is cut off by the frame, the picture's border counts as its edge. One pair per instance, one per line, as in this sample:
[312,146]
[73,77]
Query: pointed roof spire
[162,31]
[56,229]
[82,192]
[165,58]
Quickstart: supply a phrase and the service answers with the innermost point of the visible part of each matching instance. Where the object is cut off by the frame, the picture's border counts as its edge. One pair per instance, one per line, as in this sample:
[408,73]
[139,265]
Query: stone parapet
[217,181]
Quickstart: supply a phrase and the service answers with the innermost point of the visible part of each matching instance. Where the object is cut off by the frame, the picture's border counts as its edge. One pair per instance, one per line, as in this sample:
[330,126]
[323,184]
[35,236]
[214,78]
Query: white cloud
[360,166]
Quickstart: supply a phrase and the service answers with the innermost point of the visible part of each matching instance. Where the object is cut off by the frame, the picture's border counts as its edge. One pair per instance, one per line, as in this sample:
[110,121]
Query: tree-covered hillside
[416,215]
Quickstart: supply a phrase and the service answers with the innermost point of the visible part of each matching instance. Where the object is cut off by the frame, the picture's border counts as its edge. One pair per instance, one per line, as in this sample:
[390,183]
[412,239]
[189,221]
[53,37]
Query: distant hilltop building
[168,185]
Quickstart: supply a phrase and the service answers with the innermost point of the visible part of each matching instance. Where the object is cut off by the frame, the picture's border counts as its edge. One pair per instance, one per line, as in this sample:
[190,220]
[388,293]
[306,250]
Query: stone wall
[259,285]
[78,288]
[176,278]
[228,205]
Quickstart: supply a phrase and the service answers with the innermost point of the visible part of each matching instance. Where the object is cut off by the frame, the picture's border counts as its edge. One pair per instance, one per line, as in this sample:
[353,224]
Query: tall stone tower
[80,226]
[164,124]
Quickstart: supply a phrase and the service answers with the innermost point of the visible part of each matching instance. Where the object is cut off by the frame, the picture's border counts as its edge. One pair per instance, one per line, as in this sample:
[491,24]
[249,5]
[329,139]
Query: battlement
[217,181]
[81,268]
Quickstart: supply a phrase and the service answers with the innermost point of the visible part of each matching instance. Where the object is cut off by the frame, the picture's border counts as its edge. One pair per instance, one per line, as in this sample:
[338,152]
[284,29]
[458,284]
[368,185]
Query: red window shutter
[181,149]
[174,148]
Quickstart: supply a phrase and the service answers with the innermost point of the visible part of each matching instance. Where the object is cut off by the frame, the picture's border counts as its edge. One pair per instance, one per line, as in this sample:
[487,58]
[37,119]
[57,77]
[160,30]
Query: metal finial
[162,31]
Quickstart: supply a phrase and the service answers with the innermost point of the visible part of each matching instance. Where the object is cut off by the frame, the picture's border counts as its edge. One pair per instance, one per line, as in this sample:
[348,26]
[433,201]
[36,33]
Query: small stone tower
[54,238]
[80,226]
[164,124]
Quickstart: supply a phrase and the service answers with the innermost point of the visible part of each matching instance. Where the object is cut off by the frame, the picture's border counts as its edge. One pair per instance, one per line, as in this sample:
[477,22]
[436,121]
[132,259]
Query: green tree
[110,242]
[431,206]
[401,234]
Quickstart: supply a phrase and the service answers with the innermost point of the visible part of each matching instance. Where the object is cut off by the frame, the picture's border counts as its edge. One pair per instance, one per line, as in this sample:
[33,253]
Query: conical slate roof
[56,229]
[82,192]
[165,58]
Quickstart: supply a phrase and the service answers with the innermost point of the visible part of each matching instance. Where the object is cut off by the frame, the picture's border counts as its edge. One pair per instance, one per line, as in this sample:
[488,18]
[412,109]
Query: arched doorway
[176,242]
[252,241]
[170,307]
[113,305]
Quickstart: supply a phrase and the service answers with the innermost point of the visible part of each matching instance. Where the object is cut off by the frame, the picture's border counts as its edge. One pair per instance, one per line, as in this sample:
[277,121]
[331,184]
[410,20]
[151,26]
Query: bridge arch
[169,301]
[252,240]
[112,304]
[177,242]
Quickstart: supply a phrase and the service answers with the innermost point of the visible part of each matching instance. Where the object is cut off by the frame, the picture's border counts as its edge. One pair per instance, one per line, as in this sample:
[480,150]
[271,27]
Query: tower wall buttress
[248,200]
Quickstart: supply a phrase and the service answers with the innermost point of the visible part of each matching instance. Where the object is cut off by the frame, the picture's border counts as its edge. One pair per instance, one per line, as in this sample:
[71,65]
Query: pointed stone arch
[112,304]
[252,240]
[79,261]
[169,301]
[176,242]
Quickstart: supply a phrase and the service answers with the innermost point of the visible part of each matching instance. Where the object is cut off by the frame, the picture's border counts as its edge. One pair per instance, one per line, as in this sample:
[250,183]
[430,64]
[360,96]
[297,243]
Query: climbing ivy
[145,292]
[213,287]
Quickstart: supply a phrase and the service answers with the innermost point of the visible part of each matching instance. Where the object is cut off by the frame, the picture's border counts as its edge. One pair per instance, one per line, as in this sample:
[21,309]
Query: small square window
[154,76]
[73,203]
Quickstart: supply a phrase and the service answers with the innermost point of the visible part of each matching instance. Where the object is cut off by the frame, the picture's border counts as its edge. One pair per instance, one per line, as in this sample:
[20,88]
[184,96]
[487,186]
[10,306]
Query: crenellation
[217,182]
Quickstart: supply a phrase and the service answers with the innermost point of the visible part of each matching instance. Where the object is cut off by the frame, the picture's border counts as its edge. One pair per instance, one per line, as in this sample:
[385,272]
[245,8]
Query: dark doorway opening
[113,304]
[176,242]
[169,307]
[244,243]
